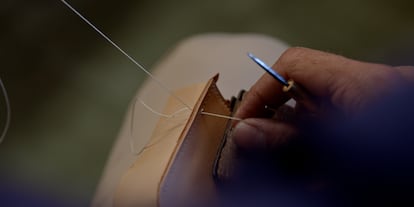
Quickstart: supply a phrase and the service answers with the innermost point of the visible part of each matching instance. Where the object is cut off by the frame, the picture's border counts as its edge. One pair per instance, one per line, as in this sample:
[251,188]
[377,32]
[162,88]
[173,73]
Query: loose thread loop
[159,113]
[8,112]
[149,108]
[159,83]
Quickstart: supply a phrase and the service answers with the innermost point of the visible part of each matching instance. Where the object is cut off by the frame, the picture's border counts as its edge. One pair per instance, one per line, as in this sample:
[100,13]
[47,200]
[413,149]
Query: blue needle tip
[268,69]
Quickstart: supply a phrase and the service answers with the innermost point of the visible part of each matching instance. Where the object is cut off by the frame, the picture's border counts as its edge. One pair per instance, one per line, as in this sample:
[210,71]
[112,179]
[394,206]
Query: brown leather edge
[193,116]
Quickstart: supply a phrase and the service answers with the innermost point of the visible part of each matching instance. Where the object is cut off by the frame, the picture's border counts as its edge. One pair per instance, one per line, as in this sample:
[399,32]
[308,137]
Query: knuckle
[291,58]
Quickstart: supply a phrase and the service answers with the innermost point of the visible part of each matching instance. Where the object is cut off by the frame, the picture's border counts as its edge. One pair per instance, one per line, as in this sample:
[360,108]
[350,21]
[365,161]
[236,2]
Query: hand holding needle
[298,93]
[340,88]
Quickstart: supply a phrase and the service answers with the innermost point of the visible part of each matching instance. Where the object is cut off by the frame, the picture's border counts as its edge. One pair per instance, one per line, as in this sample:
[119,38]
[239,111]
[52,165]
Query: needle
[294,90]
[268,69]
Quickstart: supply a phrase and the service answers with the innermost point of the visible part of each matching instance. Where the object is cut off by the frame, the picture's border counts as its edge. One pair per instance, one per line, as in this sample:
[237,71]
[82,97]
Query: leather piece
[190,181]
[139,184]
[175,169]
[189,62]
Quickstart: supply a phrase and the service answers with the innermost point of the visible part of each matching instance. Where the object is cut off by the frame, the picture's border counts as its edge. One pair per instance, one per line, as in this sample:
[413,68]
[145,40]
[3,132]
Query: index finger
[346,83]
[266,91]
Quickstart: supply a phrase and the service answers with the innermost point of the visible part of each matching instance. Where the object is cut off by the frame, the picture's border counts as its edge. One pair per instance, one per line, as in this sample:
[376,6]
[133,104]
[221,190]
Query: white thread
[131,141]
[149,108]
[159,113]
[150,75]
[132,147]
[219,115]
[126,54]
[8,112]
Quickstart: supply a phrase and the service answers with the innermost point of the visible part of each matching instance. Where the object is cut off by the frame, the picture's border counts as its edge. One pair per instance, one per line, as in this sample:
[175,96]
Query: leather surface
[189,181]
[175,168]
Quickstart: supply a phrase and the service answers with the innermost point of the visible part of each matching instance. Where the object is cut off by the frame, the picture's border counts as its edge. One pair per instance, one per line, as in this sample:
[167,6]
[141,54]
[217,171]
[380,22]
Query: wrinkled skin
[347,85]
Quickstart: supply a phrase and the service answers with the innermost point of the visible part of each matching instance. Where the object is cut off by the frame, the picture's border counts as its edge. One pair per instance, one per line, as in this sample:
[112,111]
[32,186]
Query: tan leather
[175,168]
[191,61]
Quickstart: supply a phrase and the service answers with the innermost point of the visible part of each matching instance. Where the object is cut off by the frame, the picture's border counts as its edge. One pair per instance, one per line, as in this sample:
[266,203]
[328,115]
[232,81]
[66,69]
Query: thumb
[262,134]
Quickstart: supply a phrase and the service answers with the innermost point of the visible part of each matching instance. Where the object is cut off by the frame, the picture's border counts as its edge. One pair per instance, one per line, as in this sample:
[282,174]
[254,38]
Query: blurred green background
[69,89]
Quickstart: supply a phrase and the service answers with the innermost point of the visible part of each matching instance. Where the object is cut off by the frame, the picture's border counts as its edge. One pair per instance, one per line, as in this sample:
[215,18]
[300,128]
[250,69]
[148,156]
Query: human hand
[348,86]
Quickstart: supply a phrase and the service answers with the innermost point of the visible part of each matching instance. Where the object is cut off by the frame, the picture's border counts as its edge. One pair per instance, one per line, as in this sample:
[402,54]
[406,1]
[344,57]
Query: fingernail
[248,137]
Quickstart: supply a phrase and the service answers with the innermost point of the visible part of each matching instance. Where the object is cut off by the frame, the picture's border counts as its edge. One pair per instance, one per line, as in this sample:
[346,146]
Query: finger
[286,114]
[262,134]
[263,92]
[346,83]
[308,67]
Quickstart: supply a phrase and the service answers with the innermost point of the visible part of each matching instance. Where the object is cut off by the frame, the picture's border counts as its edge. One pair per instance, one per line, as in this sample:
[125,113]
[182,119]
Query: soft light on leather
[175,169]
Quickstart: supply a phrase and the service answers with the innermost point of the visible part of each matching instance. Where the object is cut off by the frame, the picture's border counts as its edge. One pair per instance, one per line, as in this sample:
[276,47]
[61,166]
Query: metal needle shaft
[294,90]
[268,69]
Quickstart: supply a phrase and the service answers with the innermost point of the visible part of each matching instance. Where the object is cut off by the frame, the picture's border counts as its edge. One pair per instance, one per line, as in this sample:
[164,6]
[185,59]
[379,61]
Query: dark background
[69,89]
